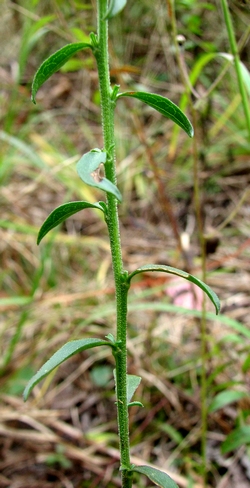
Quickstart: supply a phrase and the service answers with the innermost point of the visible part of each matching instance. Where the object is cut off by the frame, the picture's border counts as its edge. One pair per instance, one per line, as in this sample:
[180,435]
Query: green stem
[120,275]
[203,329]
[235,53]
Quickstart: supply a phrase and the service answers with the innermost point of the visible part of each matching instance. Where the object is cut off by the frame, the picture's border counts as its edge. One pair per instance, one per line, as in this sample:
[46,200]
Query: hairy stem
[121,285]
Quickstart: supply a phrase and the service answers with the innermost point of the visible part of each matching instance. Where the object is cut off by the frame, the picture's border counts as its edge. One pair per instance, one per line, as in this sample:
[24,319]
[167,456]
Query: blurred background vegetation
[186,204]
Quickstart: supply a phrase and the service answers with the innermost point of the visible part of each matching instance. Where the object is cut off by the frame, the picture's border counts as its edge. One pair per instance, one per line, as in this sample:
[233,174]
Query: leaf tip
[191,131]
[217,307]
[33,97]
[26,393]
[39,237]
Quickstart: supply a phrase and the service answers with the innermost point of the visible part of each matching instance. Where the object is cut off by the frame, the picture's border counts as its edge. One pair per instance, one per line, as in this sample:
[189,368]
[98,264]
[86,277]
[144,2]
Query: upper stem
[121,285]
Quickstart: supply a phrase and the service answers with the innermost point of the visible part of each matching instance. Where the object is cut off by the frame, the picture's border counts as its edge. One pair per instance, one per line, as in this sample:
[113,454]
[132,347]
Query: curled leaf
[183,274]
[66,351]
[61,213]
[158,477]
[115,6]
[88,170]
[53,64]
[165,106]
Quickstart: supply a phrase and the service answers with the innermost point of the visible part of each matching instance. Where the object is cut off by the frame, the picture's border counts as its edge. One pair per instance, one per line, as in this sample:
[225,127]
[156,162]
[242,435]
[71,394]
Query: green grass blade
[69,349]
[225,398]
[59,214]
[238,437]
[182,274]
[165,106]
[53,64]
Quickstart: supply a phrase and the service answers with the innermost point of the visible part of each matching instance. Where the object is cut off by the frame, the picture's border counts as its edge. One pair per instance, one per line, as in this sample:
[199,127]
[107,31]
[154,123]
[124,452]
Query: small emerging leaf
[165,106]
[115,6]
[111,338]
[87,169]
[225,398]
[178,272]
[66,351]
[53,64]
[158,477]
[61,213]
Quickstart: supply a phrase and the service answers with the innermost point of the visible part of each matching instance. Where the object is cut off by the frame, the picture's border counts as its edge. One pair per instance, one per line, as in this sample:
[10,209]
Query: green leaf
[87,169]
[59,214]
[115,6]
[245,365]
[133,382]
[66,351]
[173,433]
[237,438]
[182,274]
[101,374]
[53,64]
[225,398]
[111,338]
[165,107]
[158,477]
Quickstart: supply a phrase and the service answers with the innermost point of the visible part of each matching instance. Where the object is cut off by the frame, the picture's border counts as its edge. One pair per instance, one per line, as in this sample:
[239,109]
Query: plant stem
[121,285]
[203,328]
[197,206]
[235,53]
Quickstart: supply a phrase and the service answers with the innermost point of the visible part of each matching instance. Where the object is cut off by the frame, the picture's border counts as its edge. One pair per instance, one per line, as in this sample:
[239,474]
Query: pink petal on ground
[185,294]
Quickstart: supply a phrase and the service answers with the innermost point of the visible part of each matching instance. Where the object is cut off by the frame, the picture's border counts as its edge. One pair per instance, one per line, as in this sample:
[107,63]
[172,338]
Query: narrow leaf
[53,64]
[66,351]
[133,382]
[115,6]
[237,438]
[59,214]
[87,169]
[245,365]
[182,274]
[165,107]
[225,398]
[158,477]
